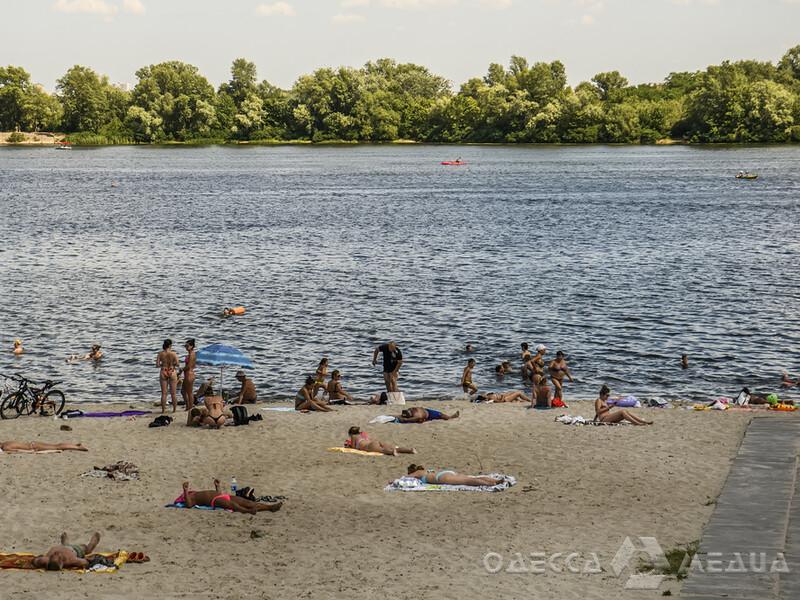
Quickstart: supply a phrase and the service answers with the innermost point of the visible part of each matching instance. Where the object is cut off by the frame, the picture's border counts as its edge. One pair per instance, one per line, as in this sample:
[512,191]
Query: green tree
[177,95]
[84,96]
[15,84]
[610,85]
[41,111]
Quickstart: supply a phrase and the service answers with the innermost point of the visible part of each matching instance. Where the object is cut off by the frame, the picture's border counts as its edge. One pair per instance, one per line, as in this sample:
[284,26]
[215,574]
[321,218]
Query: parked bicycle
[28,399]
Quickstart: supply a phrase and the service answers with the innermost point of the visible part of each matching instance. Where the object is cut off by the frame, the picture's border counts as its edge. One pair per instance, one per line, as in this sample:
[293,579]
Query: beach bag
[161,421]
[558,403]
[395,398]
[240,415]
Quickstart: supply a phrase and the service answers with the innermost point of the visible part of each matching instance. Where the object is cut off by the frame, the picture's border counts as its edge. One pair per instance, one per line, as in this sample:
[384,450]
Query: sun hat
[541,347]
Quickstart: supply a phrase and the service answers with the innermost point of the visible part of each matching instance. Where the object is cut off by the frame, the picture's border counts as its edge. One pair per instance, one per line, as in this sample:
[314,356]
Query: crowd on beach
[320,392]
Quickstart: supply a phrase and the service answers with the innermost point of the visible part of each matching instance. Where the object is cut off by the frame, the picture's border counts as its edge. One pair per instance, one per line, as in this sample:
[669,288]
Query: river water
[623,257]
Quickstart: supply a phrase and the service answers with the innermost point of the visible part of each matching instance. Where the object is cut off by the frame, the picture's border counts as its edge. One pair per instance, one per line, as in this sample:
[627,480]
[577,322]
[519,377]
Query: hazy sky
[644,39]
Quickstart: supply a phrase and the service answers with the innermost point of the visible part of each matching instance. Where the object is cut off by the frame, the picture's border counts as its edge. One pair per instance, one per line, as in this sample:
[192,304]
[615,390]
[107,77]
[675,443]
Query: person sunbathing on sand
[304,400]
[420,415]
[359,440]
[66,555]
[449,477]
[499,398]
[11,447]
[216,499]
[605,415]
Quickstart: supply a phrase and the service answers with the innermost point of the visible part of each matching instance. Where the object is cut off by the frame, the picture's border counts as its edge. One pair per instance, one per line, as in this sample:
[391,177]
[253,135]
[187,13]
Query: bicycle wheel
[53,400]
[25,404]
[8,408]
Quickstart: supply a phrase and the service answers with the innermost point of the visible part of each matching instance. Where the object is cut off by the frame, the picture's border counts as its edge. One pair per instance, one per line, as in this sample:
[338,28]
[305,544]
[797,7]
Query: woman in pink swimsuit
[216,499]
[359,440]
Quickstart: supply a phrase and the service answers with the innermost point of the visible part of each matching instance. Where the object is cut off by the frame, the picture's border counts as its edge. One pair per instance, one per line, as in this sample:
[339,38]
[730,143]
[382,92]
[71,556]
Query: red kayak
[454,163]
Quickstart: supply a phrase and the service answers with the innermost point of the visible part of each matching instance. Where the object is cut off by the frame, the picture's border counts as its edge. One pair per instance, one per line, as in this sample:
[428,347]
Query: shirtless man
[217,499]
[525,352]
[421,415]
[66,555]
[247,394]
[336,392]
[466,378]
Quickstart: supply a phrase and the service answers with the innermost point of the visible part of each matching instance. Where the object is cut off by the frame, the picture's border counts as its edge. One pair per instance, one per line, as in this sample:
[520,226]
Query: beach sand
[580,489]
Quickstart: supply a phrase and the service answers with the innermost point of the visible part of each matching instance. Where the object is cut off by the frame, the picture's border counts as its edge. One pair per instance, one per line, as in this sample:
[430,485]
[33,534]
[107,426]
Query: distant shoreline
[47,139]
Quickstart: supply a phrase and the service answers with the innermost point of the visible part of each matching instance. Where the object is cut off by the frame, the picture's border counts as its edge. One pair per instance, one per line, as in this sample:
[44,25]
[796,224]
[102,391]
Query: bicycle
[27,399]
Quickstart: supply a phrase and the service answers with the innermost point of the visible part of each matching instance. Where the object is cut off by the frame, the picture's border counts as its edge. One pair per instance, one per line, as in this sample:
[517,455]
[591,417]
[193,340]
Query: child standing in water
[466,378]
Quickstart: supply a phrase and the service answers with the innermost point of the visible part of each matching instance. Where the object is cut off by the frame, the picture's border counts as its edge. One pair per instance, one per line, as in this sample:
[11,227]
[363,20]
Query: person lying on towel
[449,477]
[359,440]
[604,414]
[420,415]
[217,499]
[66,555]
[32,447]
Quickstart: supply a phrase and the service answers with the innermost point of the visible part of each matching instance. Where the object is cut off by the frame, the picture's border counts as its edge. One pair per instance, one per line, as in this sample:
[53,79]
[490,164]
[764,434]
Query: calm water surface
[622,257]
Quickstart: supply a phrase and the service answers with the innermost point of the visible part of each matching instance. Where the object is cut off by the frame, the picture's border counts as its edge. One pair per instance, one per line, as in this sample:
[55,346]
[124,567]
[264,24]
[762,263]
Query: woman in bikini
[167,363]
[215,415]
[500,398]
[558,369]
[359,440]
[449,477]
[216,499]
[11,447]
[304,400]
[336,392]
[321,374]
[187,389]
[604,414]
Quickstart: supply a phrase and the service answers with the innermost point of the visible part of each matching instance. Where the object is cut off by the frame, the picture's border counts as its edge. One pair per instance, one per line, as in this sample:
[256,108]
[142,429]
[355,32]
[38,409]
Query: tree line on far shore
[744,101]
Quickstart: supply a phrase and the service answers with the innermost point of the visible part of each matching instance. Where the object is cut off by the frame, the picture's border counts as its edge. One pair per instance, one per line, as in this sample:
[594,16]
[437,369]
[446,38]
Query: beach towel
[124,413]
[183,505]
[24,560]
[412,484]
[354,451]
[578,420]
[278,408]
[384,419]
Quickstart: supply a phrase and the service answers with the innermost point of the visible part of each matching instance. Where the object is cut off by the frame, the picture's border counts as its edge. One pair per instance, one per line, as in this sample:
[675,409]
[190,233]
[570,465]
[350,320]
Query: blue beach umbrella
[220,355]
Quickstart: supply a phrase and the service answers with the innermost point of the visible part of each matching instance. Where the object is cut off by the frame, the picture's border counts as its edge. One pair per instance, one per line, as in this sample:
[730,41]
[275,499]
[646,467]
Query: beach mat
[354,451]
[278,408]
[412,484]
[24,560]
[183,505]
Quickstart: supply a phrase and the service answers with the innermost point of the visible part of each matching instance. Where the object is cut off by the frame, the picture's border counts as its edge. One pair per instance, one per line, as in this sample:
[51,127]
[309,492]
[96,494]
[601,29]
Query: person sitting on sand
[11,447]
[466,378]
[66,555]
[541,391]
[217,499]
[359,440]
[382,398]
[304,400]
[216,415]
[18,349]
[449,477]
[604,414]
[421,415]
[206,389]
[499,398]
[335,390]
[247,394]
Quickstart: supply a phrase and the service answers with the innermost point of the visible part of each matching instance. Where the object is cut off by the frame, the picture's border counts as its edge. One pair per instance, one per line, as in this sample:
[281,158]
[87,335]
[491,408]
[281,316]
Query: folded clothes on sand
[354,451]
[24,560]
[120,471]
[412,484]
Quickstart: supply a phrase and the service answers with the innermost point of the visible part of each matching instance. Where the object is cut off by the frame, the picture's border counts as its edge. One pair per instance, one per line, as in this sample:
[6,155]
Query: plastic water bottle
[234,486]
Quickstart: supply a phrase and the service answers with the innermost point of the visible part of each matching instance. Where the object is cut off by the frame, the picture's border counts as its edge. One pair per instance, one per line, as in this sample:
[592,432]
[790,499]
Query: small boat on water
[744,175]
[63,146]
[454,163]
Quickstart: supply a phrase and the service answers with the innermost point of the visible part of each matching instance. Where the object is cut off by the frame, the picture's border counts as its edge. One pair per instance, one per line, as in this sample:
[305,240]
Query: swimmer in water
[684,361]
[94,354]
[232,312]
[18,349]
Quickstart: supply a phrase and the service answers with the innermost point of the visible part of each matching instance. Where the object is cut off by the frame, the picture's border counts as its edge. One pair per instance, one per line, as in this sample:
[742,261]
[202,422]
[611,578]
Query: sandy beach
[580,489]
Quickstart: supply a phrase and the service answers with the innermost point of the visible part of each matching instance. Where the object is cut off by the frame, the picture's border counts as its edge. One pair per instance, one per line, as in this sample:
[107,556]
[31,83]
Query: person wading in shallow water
[392,361]
[558,369]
